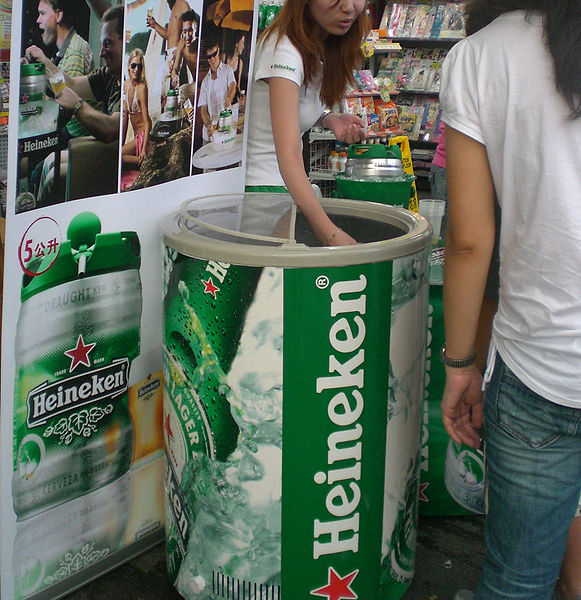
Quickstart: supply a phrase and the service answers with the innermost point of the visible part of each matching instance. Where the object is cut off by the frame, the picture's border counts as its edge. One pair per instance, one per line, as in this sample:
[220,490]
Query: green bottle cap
[86,252]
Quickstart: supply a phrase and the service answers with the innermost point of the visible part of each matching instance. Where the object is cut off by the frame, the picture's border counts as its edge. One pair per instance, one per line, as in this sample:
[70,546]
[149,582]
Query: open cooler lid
[264,229]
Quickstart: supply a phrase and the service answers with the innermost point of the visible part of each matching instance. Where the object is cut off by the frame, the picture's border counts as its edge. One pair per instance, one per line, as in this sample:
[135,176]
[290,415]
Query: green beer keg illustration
[77,333]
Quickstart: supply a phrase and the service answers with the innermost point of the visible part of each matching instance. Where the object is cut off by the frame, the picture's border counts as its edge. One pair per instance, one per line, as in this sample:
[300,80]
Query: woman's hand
[340,238]
[462,405]
[346,127]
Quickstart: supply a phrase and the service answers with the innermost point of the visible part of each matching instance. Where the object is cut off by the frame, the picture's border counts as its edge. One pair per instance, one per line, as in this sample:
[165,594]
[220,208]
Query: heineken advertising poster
[107,137]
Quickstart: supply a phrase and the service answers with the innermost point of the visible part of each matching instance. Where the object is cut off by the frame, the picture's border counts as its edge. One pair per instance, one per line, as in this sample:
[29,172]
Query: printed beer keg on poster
[78,331]
[293,382]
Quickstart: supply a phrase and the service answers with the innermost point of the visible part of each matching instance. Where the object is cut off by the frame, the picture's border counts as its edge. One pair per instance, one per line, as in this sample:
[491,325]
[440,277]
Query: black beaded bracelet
[456,363]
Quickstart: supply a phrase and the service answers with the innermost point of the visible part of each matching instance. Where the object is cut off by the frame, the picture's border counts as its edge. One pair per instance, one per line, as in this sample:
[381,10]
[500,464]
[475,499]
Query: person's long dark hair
[562,23]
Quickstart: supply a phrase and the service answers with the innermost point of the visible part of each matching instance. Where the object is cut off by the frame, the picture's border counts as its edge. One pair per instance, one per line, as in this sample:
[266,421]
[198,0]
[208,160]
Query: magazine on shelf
[408,26]
[389,65]
[414,68]
[423,20]
[437,128]
[390,19]
[399,32]
[428,124]
[419,116]
[453,23]
[420,22]
[438,20]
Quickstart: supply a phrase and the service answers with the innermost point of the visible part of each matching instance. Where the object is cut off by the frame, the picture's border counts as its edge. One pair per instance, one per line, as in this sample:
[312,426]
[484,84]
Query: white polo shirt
[275,59]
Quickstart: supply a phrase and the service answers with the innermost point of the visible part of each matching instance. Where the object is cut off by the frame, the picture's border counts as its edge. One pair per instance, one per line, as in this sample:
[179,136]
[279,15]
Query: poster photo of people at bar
[69,109]
[223,78]
[159,90]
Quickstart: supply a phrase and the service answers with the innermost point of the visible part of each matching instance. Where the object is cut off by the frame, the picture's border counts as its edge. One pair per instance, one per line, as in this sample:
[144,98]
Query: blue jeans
[533,454]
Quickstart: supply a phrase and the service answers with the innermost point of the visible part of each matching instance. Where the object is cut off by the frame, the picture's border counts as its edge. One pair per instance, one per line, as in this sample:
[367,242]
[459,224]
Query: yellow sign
[406,159]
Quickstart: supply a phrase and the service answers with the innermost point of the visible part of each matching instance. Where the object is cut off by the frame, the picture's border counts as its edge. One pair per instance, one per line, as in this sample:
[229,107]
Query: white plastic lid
[264,229]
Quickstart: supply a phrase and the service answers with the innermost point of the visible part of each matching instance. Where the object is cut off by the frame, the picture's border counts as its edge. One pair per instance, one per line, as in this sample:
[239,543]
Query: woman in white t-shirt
[511,101]
[303,63]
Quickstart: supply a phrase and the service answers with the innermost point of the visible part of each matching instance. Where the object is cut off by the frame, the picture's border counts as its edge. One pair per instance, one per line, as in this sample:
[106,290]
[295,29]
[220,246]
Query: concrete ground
[448,558]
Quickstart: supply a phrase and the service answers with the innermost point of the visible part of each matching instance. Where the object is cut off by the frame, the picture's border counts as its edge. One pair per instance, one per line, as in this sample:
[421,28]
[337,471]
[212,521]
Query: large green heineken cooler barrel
[293,378]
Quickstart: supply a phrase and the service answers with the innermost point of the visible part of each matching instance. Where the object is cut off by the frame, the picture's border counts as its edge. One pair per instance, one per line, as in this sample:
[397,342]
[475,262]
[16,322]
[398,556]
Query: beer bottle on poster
[205,307]
[78,331]
[464,476]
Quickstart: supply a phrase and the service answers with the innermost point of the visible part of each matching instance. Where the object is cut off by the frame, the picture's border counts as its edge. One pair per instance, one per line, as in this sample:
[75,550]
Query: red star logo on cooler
[168,430]
[80,354]
[209,287]
[423,487]
[337,588]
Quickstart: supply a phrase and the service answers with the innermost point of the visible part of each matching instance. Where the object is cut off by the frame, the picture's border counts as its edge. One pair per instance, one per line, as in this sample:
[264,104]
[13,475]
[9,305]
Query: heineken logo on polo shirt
[285,67]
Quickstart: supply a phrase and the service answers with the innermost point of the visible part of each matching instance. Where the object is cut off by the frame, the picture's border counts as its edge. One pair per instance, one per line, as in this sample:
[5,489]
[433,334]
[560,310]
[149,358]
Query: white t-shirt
[274,59]
[498,88]
[213,92]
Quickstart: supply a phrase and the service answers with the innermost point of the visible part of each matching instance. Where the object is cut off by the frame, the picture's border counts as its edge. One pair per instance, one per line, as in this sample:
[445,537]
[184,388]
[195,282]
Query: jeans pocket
[525,415]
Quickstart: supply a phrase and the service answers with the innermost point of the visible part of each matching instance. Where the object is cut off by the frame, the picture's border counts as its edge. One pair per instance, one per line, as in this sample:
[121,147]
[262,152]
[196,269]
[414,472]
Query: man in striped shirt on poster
[73,57]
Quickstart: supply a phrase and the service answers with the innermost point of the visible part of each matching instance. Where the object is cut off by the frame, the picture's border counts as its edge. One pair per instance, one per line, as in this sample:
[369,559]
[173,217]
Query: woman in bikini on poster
[135,110]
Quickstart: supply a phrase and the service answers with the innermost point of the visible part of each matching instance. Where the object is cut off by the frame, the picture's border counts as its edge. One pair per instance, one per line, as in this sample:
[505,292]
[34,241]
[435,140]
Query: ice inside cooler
[272,219]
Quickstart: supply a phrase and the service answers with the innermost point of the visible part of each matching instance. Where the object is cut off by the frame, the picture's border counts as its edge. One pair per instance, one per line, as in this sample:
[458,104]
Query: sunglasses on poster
[209,56]
[136,65]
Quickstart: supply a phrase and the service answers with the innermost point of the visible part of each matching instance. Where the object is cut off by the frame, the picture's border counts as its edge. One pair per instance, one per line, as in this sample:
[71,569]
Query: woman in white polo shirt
[303,63]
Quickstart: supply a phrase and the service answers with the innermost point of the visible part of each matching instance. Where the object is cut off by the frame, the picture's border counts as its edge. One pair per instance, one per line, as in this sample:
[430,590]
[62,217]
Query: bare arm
[177,63]
[80,85]
[206,119]
[151,22]
[135,4]
[104,127]
[230,94]
[240,69]
[125,121]
[284,111]
[469,242]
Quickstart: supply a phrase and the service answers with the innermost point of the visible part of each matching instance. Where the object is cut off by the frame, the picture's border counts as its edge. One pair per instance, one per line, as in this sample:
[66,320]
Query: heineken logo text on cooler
[219,270]
[51,399]
[344,408]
